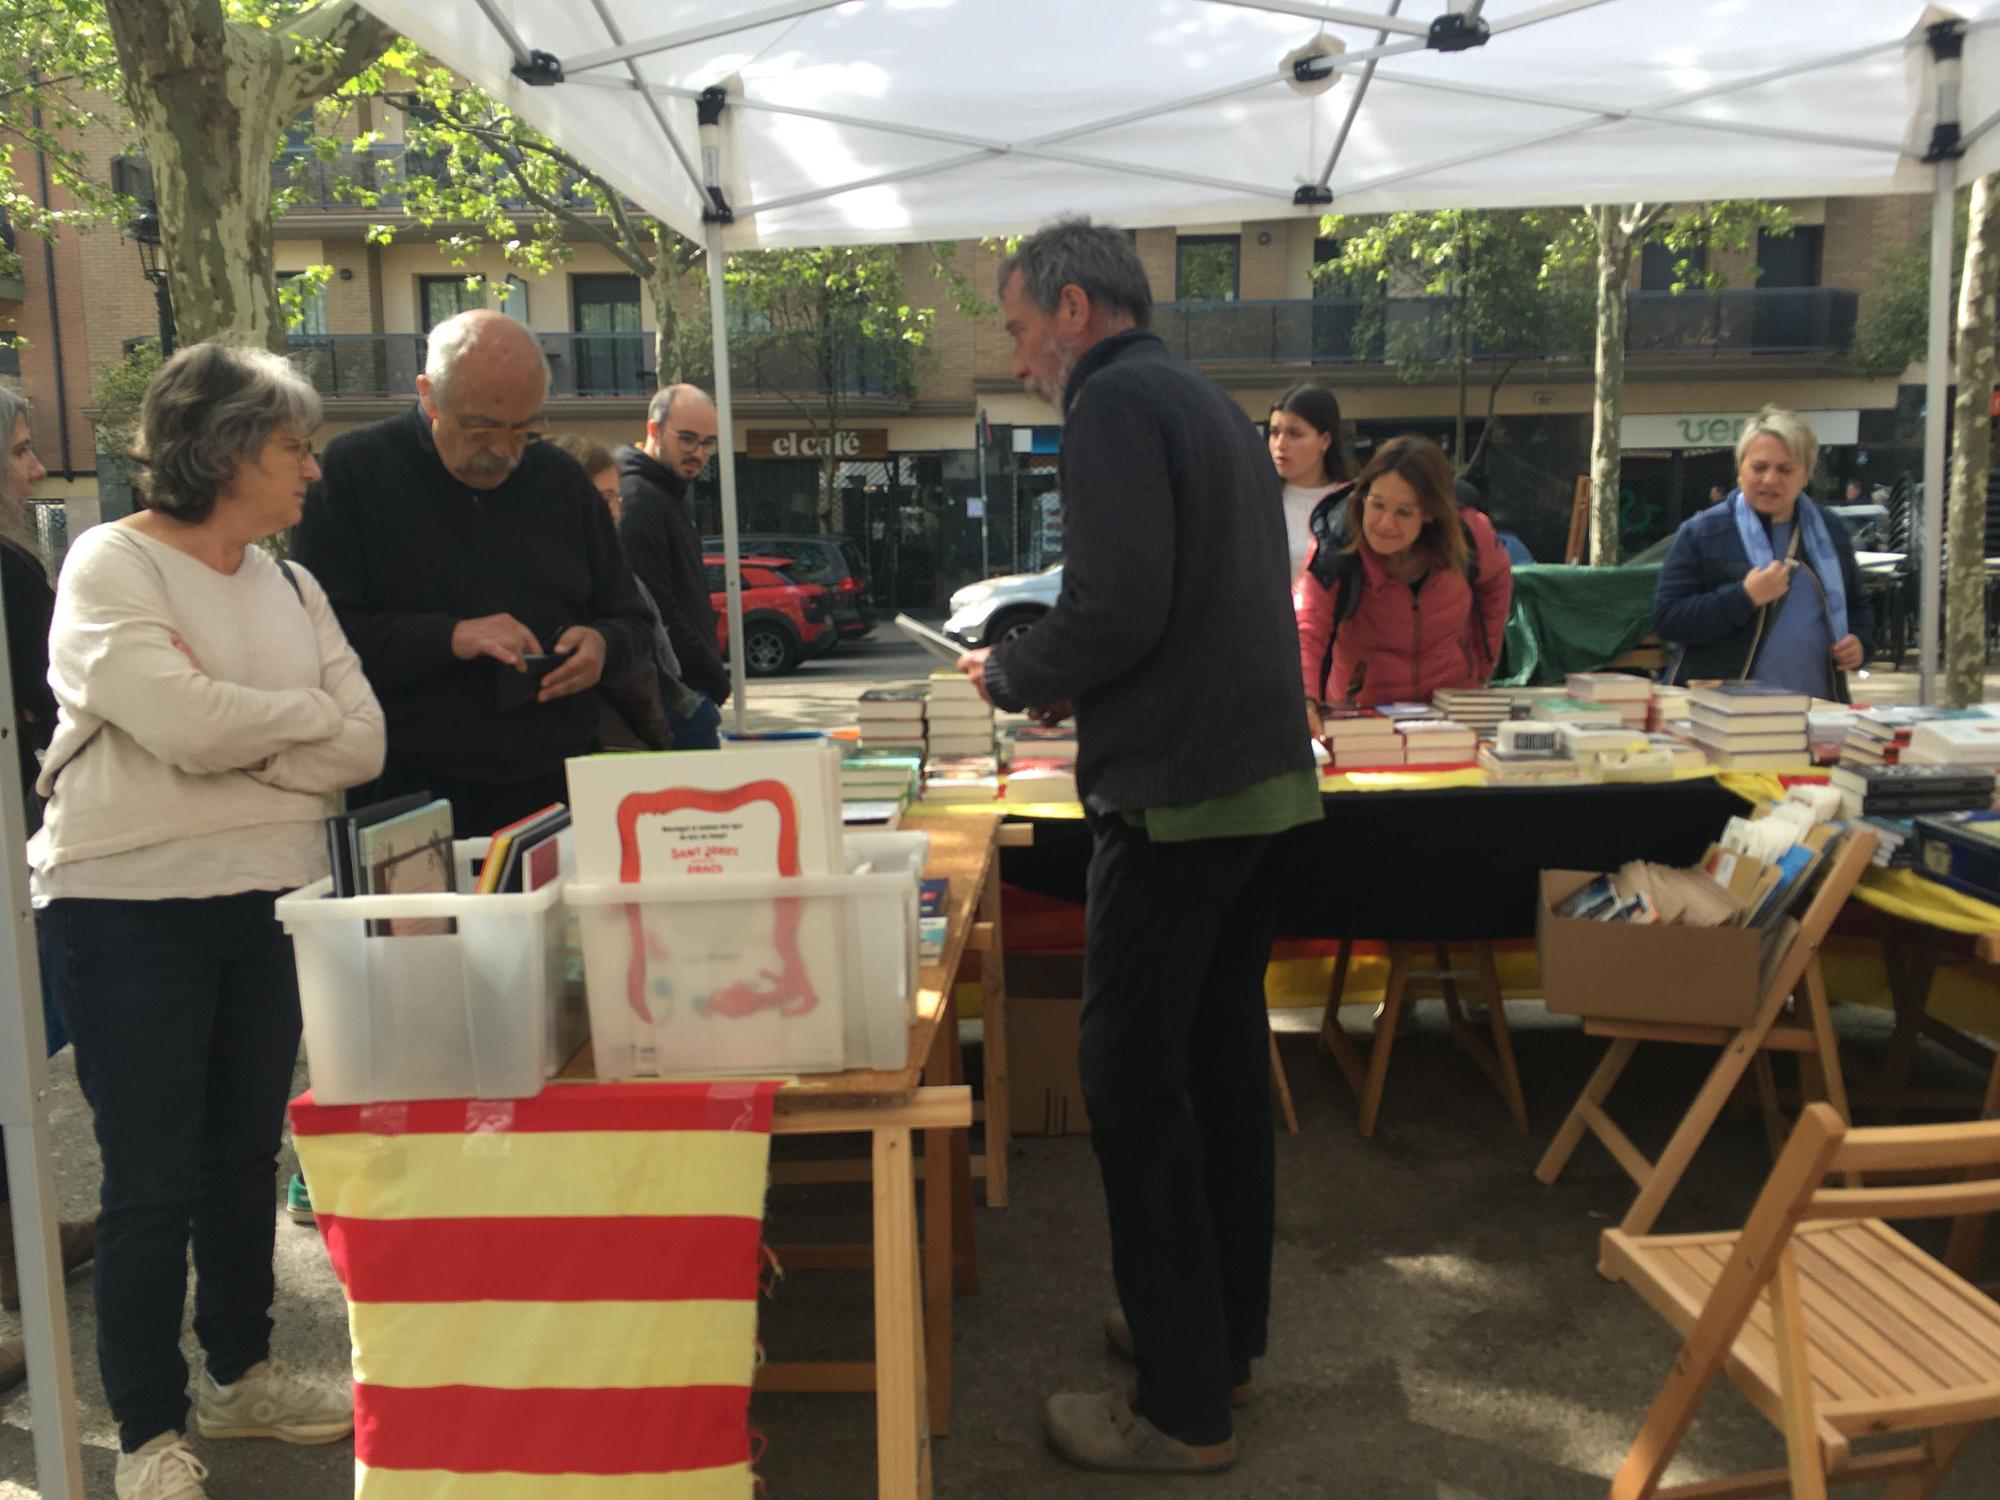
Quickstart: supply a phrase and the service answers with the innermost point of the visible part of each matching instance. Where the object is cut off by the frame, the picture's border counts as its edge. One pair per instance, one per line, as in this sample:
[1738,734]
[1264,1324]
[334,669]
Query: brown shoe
[13,1363]
[1100,1430]
[1118,1339]
[79,1243]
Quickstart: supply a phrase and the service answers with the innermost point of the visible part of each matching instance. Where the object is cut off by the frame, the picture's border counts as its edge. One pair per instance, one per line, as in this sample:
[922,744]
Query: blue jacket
[1699,603]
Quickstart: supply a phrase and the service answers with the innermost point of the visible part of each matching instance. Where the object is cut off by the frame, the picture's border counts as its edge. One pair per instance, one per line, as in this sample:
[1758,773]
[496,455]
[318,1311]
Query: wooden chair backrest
[1848,859]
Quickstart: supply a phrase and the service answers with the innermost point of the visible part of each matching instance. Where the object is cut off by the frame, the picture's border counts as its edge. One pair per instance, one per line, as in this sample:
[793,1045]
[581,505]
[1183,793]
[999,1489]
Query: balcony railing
[1353,330]
[580,364]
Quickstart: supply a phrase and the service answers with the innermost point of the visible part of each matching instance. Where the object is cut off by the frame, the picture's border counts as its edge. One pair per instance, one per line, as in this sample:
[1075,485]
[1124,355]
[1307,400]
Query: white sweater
[150,749]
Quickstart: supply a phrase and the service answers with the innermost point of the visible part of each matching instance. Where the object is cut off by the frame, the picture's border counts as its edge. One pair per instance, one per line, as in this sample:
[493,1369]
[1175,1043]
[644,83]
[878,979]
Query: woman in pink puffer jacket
[1411,590]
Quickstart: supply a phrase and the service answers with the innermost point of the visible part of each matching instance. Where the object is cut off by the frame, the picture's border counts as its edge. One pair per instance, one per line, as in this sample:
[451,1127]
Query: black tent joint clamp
[539,70]
[1453,32]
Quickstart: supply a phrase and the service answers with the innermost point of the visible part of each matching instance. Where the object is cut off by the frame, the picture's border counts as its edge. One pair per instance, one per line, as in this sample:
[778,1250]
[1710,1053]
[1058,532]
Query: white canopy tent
[859,121]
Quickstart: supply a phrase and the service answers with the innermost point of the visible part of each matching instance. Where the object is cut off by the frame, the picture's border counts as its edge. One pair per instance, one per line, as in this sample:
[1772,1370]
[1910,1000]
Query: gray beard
[1051,393]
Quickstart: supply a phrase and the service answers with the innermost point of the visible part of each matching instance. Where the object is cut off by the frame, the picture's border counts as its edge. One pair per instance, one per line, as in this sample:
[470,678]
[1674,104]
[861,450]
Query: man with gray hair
[1173,642]
[664,544]
[478,576]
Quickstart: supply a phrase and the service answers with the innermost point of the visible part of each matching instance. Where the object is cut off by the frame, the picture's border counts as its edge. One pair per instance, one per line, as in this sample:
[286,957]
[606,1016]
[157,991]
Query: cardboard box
[1044,1008]
[1617,970]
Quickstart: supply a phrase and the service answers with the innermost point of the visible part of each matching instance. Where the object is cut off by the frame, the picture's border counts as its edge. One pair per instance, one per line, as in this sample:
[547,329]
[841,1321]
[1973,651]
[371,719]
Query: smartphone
[518,689]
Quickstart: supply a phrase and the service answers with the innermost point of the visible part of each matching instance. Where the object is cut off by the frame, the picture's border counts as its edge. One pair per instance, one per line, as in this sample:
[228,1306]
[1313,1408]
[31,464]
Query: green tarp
[1573,620]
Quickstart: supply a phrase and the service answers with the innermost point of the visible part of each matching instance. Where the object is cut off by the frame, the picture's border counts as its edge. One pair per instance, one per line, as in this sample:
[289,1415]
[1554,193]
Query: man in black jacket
[1173,639]
[454,549]
[665,547]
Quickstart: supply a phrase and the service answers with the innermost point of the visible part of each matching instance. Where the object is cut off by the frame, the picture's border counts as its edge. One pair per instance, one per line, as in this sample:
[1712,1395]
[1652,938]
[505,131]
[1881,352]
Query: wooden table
[915,1276]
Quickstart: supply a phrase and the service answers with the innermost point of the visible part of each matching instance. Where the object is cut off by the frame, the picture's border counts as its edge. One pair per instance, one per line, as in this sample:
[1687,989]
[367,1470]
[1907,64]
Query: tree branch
[354,36]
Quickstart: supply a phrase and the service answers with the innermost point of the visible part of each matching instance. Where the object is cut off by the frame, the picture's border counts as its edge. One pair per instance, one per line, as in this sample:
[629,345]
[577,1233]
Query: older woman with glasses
[210,711]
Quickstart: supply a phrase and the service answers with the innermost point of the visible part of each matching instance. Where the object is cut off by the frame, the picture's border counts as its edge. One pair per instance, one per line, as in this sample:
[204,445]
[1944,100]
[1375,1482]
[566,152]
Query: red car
[785,622]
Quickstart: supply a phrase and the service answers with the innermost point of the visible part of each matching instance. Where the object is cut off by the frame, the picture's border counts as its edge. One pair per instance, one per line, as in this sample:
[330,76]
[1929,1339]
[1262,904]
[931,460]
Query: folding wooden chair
[1369,1075]
[1795,979]
[1834,1325]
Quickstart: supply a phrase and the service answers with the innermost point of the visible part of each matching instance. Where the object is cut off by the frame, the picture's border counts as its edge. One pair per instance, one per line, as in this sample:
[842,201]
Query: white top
[1299,503]
[170,780]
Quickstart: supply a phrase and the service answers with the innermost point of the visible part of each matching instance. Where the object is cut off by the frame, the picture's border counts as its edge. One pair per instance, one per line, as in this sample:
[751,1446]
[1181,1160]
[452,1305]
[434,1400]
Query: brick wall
[1262,268]
[1861,232]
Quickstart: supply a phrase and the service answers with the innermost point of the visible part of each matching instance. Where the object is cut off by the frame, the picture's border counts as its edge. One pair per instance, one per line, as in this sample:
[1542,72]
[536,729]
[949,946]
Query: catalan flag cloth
[551,1298]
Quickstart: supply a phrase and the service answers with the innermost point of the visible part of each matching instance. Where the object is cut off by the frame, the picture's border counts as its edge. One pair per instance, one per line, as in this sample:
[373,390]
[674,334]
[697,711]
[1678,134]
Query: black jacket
[665,547]
[30,603]
[405,552]
[1173,635]
[1700,606]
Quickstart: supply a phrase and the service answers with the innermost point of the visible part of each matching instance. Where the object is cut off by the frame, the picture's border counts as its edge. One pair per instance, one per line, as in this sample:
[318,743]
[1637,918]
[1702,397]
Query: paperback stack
[1032,781]
[1528,753]
[1878,736]
[876,787]
[1437,742]
[1038,742]
[1481,710]
[892,720]
[1750,725]
[1669,706]
[1827,727]
[1592,744]
[1895,843]
[1903,791]
[1566,710]
[1359,737]
[958,720]
[1631,696]
[962,778]
[1955,742]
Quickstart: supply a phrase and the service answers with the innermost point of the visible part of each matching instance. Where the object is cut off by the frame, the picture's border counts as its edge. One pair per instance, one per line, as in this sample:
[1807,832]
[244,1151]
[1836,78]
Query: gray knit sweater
[1173,635]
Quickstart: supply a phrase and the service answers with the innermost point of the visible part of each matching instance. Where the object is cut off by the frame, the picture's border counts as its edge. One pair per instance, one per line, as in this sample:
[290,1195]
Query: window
[1657,268]
[610,343]
[514,298]
[1205,267]
[312,306]
[441,297]
[1789,260]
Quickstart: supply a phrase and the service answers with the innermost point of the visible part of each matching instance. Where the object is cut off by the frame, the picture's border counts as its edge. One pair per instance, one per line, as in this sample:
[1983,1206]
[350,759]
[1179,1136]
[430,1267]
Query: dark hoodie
[660,537]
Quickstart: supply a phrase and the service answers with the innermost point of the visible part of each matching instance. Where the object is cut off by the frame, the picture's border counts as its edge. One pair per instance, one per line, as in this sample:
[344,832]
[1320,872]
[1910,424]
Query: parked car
[836,563]
[785,621]
[985,614]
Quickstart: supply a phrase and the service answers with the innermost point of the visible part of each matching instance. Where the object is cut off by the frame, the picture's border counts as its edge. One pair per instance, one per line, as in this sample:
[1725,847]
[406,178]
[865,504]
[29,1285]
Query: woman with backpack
[1404,592]
[1304,432]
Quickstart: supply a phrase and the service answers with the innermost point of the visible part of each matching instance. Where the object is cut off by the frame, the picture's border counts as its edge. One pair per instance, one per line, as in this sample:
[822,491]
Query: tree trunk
[1614,254]
[1461,295]
[664,284]
[211,99]
[1972,445]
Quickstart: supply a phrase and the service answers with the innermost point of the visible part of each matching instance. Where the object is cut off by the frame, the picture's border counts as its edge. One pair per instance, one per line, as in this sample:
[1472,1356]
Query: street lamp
[145,232]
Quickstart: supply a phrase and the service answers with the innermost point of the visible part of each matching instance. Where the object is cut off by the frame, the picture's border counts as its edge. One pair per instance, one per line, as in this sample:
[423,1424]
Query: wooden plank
[923,1109]
[1934,1200]
[939,1244]
[993,1042]
[824,1376]
[1900,1148]
[1569,1135]
[824,1257]
[1779,1482]
[1616,1141]
[1947,1294]
[900,1406]
[1841,1268]
[1846,1309]
[1800,1423]
[1841,1370]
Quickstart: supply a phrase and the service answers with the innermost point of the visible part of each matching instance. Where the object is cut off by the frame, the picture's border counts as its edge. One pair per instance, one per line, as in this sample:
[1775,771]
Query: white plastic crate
[756,974]
[468,1014]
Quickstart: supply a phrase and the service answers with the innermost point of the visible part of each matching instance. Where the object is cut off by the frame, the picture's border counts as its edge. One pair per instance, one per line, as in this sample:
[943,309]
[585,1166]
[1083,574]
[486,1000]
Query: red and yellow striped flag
[548,1297]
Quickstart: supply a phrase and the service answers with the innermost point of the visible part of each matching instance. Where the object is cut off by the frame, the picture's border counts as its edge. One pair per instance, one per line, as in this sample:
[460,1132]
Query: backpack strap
[293,579]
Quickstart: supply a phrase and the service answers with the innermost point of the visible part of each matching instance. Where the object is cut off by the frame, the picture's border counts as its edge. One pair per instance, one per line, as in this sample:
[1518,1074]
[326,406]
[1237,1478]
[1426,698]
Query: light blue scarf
[1814,537]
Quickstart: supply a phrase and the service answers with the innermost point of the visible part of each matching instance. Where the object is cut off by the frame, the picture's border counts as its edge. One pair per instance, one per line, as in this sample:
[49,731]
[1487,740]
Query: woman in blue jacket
[1764,584]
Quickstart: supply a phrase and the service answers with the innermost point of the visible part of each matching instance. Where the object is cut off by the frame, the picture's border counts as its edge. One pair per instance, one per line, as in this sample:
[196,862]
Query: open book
[936,642]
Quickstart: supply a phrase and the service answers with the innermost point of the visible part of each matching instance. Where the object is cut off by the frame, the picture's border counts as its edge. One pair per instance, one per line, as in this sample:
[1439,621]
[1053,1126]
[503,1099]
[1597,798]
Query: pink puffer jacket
[1404,643]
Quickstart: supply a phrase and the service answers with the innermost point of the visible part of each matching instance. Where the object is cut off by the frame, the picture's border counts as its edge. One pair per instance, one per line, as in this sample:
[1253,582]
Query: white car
[985,614]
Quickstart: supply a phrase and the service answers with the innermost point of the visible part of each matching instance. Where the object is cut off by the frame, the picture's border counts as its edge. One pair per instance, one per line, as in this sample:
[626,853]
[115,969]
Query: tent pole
[1937,380]
[716,214]
[24,1079]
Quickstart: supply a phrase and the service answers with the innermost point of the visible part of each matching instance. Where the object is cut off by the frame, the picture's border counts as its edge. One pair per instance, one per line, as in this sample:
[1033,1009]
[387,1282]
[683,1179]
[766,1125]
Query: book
[932,893]
[1717,739]
[1608,686]
[1404,710]
[936,642]
[500,871]
[1972,742]
[340,836]
[404,855]
[1749,697]
[1758,760]
[886,815]
[1577,711]
[1702,714]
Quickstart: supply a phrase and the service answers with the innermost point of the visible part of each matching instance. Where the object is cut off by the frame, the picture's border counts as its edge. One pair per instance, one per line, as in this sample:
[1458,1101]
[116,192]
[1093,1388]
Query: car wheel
[768,651]
[1012,625]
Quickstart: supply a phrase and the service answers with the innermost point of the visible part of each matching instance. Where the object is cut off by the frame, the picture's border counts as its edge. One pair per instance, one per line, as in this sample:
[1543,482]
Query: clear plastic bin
[756,974]
[476,1013]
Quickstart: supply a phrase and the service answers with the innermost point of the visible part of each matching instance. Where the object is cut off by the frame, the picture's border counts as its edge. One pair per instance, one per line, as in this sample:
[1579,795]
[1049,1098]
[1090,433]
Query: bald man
[478,576]
[661,537]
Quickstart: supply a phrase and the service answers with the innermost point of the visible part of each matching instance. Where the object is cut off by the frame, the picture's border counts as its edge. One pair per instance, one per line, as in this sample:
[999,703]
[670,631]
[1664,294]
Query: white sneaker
[165,1469]
[270,1401]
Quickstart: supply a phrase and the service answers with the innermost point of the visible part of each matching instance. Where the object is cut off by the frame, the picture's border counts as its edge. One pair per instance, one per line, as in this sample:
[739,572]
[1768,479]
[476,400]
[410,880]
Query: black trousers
[185,1017]
[477,807]
[1175,1065]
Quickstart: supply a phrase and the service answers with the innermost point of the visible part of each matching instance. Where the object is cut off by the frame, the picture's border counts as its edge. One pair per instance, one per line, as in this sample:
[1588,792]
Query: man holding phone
[478,576]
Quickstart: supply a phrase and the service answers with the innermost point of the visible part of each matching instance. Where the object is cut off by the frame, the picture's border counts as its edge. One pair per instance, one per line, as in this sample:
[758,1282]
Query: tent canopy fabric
[856,121]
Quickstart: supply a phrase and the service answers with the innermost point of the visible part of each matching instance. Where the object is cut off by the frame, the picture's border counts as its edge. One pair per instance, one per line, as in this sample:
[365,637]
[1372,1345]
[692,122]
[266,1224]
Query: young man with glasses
[454,547]
[661,537]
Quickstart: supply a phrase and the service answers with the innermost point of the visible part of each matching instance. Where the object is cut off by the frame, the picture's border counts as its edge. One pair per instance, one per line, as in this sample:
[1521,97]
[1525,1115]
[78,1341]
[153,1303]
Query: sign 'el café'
[805,442]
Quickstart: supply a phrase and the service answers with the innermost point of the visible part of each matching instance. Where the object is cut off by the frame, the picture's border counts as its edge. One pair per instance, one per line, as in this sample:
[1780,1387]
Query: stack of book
[1669,706]
[1526,752]
[1591,743]
[1971,741]
[1631,696]
[1827,726]
[876,788]
[524,856]
[1038,742]
[1895,843]
[1750,725]
[892,720]
[1032,781]
[396,848]
[958,720]
[1686,755]
[1878,736]
[962,778]
[1437,742]
[1901,791]
[1482,710]
[1567,710]
[1359,737]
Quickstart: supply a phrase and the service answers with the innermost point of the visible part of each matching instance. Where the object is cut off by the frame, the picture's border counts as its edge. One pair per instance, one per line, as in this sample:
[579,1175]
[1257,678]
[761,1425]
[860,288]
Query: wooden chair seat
[1890,1332]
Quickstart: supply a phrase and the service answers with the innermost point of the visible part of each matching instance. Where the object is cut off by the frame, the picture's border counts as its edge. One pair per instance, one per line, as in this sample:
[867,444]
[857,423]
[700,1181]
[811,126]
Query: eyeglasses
[301,449]
[694,440]
[493,434]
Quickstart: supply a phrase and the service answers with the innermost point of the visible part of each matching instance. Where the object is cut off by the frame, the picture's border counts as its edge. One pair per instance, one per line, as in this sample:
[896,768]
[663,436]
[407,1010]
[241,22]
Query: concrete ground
[1439,1331]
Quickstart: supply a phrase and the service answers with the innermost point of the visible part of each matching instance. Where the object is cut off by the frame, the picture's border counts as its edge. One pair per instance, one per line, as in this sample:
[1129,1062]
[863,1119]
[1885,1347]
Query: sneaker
[165,1469]
[1101,1430]
[298,1202]
[1118,1339]
[270,1401]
